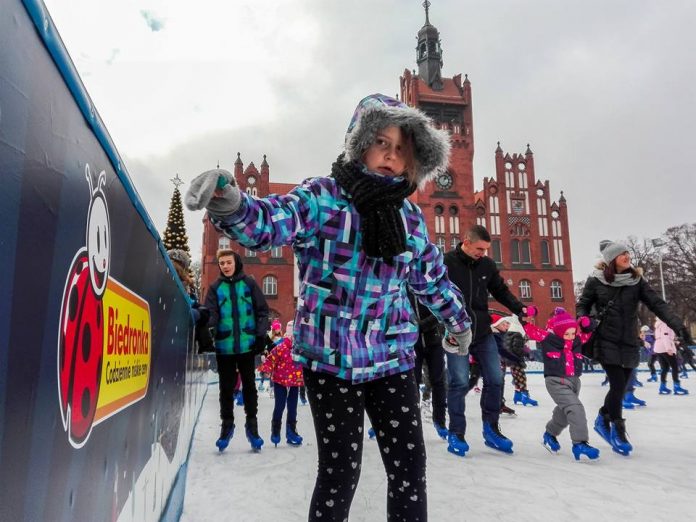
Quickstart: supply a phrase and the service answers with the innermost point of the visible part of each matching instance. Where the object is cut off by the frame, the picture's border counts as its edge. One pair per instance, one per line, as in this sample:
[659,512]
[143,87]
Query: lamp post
[659,243]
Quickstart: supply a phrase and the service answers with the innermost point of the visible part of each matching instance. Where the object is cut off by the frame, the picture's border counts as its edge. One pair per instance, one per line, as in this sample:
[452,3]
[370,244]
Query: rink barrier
[100,387]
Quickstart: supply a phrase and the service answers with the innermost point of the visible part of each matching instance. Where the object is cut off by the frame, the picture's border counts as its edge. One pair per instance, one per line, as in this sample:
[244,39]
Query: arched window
[224,243]
[556,290]
[270,285]
[439,220]
[515,251]
[277,251]
[525,289]
[545,258]
[525,252]
[454,241]
[496,254]
[440,242]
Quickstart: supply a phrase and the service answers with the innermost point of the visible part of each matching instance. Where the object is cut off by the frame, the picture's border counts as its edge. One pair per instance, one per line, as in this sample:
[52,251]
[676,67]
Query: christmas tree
[175,234]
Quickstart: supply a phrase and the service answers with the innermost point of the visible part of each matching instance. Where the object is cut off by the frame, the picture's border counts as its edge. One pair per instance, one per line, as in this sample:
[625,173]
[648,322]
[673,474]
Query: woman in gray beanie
[611,294]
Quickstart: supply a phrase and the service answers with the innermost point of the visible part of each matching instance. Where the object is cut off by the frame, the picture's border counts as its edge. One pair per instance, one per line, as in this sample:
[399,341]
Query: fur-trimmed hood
[431,146]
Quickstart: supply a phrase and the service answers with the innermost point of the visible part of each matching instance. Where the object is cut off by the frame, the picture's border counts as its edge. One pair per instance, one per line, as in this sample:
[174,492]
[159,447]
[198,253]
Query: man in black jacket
[477,276]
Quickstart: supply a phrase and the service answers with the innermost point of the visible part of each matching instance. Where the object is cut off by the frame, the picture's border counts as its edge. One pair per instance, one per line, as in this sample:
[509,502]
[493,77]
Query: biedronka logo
[104,340]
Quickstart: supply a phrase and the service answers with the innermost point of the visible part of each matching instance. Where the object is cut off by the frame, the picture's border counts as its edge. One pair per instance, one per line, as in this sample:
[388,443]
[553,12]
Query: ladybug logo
[81,321]
[103,358]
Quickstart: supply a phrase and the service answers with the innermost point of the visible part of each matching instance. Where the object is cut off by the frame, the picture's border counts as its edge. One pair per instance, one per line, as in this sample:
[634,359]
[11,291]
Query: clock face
[251,180]
[444,181]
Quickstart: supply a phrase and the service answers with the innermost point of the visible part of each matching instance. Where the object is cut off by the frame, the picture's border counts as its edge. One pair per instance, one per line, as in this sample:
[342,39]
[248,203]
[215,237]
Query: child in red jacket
[286,376]
[562,354]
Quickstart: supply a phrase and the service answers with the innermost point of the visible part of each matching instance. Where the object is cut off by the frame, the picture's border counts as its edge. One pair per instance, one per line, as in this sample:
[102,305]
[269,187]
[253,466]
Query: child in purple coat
[360,245]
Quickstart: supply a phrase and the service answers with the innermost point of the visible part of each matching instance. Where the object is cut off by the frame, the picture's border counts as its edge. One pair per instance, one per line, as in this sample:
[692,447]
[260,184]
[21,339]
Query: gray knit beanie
[610,250]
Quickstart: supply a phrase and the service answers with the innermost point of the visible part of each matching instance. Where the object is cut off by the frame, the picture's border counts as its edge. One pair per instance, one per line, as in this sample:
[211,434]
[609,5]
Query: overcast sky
[604,92]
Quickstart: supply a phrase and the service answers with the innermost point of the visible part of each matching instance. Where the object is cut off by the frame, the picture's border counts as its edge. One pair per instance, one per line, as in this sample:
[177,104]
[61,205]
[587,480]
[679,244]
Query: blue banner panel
[99,385]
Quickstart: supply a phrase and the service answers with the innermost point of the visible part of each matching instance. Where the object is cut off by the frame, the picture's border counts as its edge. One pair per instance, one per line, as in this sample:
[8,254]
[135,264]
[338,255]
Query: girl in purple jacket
[360,244]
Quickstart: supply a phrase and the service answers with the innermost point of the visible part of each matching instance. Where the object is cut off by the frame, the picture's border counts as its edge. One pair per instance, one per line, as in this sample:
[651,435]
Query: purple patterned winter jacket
[353,316]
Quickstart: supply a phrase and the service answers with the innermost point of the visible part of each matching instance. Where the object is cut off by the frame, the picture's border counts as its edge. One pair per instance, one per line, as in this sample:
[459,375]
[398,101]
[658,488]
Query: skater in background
[239,317]
[613,293]
[273,338]
[286,378]
[666,352]
[430,354]
[477,276]
[561,349]
[647,338]
[686,356]
[360,243]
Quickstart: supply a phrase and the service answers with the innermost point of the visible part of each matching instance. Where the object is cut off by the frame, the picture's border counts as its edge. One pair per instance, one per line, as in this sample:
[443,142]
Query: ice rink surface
[656,482]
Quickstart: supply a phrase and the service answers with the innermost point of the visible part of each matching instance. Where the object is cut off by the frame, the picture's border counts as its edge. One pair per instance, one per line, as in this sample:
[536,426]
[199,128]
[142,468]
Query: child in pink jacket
[562,357]
[286,376]
[666,352]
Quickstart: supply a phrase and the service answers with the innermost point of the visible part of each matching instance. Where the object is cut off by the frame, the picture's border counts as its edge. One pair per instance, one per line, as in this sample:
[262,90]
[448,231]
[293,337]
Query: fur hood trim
[431,146]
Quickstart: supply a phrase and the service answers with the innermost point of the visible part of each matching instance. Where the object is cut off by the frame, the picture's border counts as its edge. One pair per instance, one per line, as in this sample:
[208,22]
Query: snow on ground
[655,483]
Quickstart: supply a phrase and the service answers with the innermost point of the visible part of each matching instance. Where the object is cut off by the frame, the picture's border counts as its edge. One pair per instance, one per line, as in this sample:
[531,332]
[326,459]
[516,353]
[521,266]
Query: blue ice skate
[617,438]
[627,405]
[239,398]
[252,434]
[664,390]
[371,433]
[602,427]
[524,399]
[583,448]
[456,444]
[653,377]
[226,433]
[550,443]
[441,430]
[493,438]
[291,436]
[632,399]
[678,390]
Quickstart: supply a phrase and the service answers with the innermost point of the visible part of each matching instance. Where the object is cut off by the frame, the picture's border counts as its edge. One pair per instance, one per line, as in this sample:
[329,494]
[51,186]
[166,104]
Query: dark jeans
[651,363]
[618,377]
[485,351]
[283,396]
[338,410]
[668,361]
[433,355]
[228,366]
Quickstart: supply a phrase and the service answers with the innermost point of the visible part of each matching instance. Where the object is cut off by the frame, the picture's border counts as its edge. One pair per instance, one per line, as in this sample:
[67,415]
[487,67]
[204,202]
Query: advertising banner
[99,384]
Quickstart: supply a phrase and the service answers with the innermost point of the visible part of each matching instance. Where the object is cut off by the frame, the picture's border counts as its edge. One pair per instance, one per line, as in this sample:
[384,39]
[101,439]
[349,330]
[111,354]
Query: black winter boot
[275,432]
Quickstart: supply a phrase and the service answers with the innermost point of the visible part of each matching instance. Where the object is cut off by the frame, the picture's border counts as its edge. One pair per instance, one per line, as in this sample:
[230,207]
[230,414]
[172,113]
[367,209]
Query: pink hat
[560,323]
[275,326]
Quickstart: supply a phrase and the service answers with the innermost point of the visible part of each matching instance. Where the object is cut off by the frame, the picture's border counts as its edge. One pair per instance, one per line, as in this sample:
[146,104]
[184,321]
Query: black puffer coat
[476,278]
[615,337]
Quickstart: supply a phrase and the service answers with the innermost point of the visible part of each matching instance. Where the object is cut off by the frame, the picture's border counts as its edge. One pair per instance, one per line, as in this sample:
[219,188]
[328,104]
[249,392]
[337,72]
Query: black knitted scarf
[378,202]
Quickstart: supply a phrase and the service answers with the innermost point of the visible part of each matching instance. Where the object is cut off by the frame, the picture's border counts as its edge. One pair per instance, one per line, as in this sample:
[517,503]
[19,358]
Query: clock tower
[448,203]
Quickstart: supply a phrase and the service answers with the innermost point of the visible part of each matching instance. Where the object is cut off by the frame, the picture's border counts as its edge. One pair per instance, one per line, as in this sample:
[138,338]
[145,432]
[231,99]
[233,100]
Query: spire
[498,149]
[264,163]
[238,161]
[429,53]
[528,151]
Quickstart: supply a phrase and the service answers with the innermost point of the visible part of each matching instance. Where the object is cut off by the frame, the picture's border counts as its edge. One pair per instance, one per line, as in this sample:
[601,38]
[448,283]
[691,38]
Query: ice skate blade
[548,448]
[458,453]
[496,448]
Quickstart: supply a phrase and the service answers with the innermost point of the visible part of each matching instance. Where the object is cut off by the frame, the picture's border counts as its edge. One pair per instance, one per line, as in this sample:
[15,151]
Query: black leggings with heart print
[338,409]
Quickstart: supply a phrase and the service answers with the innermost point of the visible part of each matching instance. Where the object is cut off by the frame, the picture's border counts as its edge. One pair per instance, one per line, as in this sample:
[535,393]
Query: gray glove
[201,193]
[457,342]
